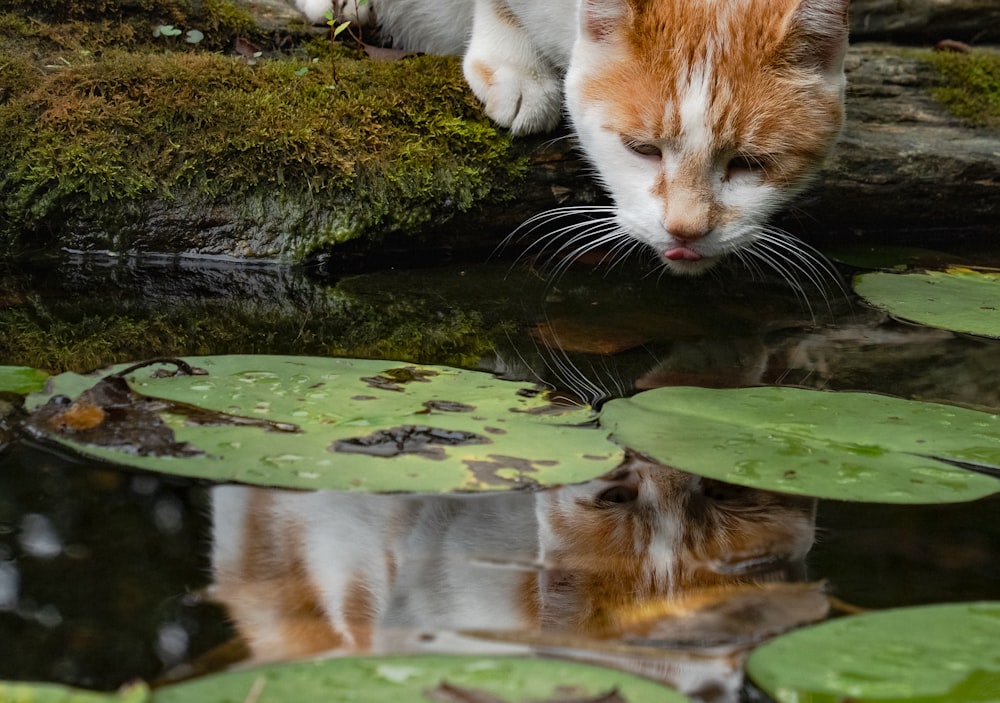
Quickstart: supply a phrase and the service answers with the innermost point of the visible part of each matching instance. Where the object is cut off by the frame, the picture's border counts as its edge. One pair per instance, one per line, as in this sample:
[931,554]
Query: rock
[926,21]
[903,163]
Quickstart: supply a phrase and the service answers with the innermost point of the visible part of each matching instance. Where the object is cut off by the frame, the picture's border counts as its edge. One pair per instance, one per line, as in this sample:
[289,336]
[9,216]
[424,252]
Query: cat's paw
[524,101]
[357,11]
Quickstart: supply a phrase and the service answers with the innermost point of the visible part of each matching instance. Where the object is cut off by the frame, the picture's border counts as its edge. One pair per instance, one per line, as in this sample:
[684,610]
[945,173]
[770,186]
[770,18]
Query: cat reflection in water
[304,573]
[701,118]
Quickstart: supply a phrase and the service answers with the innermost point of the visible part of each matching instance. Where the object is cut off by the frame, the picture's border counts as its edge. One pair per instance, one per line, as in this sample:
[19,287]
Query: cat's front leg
[518,86]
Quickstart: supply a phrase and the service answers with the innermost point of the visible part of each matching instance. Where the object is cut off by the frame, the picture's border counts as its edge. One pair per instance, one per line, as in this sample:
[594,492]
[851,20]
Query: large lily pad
[311,422]
[423,678]
[850,446]
[959,299]
[25,692]
[932,654]
[21,379]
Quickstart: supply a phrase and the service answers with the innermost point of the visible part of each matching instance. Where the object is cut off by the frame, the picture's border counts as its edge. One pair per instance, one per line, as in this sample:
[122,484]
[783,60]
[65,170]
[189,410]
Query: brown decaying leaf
[111,414]
[381,53]
[576,336]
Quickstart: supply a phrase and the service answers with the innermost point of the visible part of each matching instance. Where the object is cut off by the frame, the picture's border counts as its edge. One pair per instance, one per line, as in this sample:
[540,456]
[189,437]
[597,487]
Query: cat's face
[704,117]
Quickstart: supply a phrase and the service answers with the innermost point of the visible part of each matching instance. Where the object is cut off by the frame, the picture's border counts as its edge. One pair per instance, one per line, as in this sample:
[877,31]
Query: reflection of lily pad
[959,299]
[934,654]
[422,678]
[21,379]
[851,446]
[325,423]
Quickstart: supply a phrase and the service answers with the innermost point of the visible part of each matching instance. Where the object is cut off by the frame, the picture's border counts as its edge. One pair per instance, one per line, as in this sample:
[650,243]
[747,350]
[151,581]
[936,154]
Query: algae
[970,85]
[117,140]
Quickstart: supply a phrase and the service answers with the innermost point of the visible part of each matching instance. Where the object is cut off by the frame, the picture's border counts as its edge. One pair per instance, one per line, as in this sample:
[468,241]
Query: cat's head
[646,531]
[704,117]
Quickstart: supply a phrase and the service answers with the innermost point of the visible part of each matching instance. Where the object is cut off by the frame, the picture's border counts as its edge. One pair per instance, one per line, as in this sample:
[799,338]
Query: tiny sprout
[193,36]
[166,30]
[302,71]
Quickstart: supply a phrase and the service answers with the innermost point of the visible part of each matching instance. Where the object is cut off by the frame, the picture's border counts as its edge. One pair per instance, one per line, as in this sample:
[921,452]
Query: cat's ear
[600,18]
[817,35]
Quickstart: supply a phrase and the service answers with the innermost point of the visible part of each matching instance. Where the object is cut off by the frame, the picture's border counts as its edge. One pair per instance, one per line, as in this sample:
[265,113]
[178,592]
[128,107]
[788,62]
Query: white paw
[358,11]
[524,101]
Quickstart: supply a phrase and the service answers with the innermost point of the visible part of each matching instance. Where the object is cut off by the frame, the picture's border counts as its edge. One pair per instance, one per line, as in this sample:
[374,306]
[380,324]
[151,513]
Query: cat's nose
[686,231]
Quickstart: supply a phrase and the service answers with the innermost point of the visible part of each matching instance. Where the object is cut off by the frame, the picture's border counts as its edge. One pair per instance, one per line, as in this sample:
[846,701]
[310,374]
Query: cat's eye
[745,165]
[617,495]
[642,148]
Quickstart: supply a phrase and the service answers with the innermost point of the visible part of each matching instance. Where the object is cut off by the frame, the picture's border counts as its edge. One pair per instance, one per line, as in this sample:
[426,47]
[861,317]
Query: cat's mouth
[687,260]
[682,253]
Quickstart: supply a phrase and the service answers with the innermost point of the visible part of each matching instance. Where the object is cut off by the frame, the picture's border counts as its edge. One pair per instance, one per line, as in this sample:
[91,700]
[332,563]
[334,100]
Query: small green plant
[166,30]
[192,36]
[336,29]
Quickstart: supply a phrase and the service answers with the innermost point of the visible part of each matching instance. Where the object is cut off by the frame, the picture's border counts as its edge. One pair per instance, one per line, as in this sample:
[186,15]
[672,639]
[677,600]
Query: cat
[304,573]
[701,118]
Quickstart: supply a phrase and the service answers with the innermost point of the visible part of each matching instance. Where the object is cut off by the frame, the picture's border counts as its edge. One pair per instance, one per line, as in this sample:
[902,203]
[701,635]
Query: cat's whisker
[820,272]
[775,260]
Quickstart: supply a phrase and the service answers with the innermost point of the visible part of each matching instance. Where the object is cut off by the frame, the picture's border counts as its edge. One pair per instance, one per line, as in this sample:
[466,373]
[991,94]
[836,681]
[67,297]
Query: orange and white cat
[702,118]
[305,573]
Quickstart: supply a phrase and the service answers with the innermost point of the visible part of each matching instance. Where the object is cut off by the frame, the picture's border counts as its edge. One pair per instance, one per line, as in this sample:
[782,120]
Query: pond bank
[127,142]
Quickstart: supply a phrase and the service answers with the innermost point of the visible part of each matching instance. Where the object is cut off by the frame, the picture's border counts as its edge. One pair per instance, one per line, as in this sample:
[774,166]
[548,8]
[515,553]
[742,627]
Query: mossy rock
[970,85]
[131,145]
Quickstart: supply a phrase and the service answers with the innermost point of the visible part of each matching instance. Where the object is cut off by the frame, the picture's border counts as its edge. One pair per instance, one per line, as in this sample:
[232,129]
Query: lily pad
[423,678]
[25,692]
[932,654]
[959,299]
[307,422]
[849,446]
[21,379]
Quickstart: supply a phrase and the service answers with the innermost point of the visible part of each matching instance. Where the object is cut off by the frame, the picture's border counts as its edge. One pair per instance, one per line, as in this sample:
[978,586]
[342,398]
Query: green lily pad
[21,379]
[959,299]
[931,654]
[422,678]
[25,692]
[307,422]
[849,446]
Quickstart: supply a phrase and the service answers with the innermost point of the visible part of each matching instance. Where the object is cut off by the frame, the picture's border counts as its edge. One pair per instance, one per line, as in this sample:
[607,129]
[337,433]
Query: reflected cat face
[309,572]
[647,531]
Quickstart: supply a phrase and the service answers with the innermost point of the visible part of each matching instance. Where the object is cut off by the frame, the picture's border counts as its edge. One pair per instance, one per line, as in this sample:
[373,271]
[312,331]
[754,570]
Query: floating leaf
[420,678]
[934,654]
[849,446]
[959,299]
[325,423]
[24,692]
[21,379]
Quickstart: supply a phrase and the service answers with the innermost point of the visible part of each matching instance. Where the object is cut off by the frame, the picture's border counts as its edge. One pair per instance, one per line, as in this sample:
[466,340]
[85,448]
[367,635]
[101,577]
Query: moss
[970,85]
[102,133]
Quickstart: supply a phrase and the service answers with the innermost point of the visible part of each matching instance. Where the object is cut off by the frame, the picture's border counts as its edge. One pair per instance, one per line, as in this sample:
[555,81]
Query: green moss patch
[970,85]
[106,144]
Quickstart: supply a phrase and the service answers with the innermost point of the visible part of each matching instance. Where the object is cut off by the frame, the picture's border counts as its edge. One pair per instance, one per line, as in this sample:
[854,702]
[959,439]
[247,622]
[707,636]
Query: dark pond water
[103,572]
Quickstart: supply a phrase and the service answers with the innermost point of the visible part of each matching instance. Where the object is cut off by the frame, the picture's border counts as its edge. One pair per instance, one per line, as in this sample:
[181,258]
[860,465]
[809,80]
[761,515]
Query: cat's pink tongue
[682,254]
